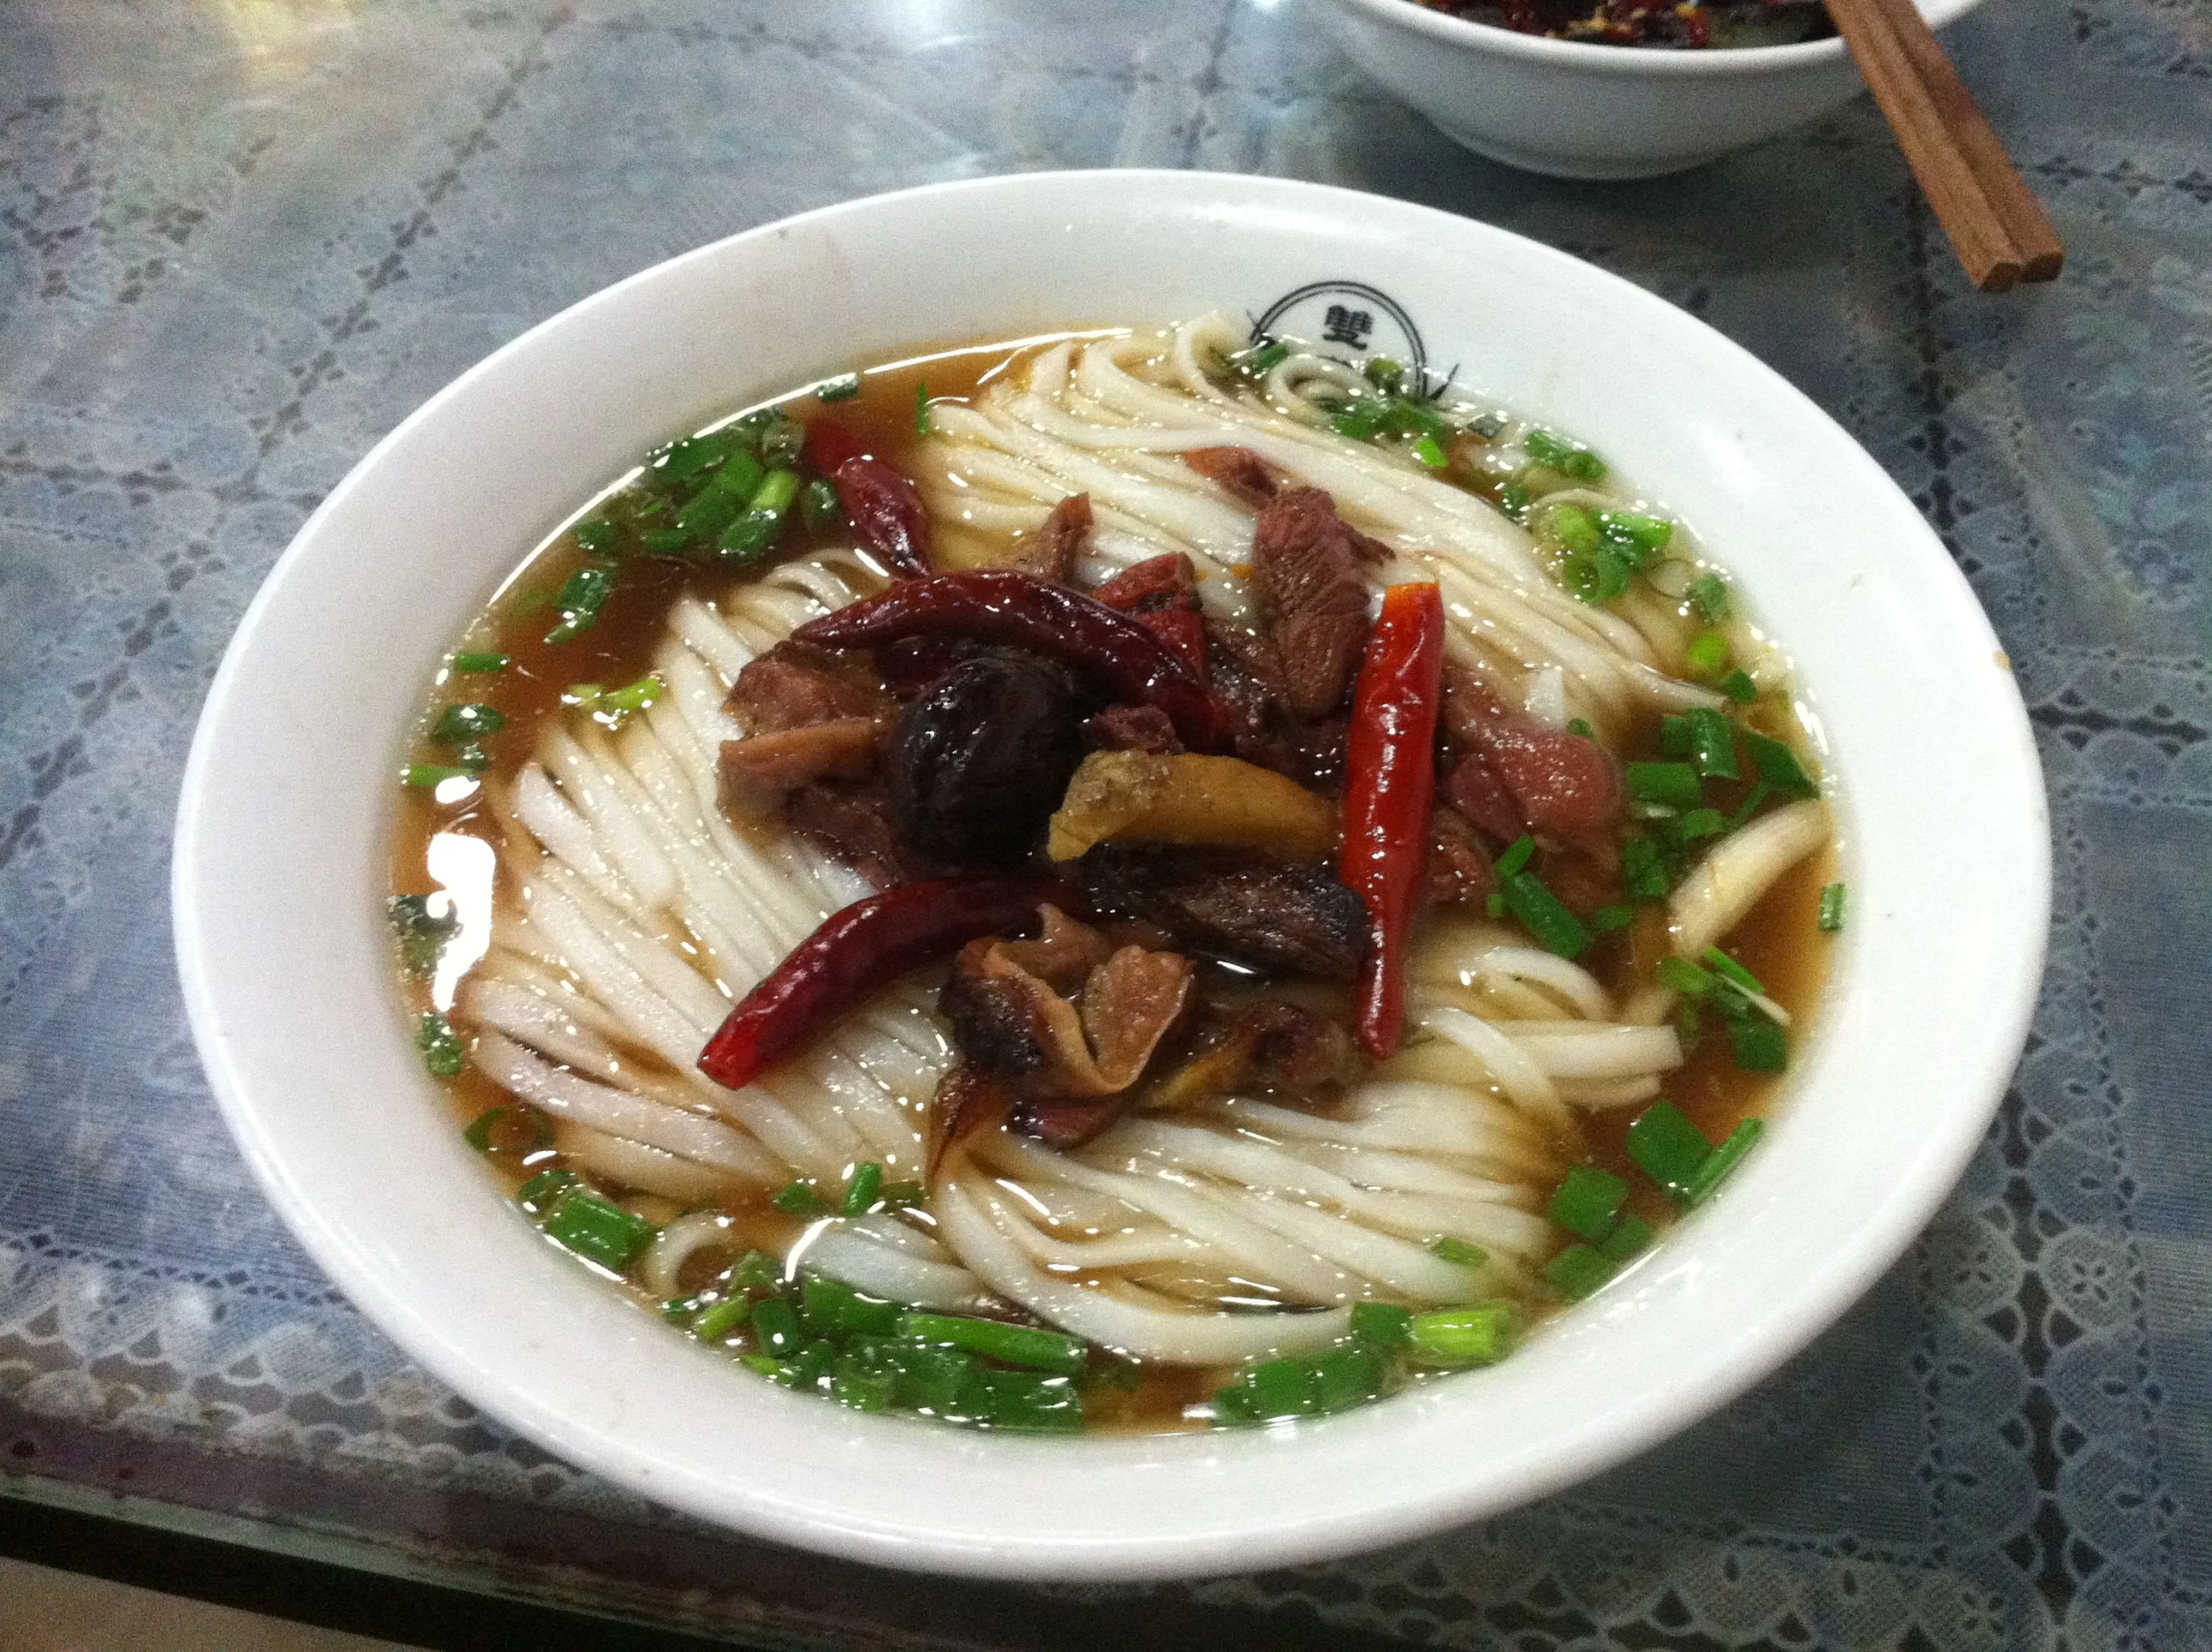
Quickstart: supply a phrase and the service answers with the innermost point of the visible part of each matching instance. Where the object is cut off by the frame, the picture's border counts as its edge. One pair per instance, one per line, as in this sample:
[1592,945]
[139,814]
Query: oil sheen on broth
[1253,1316]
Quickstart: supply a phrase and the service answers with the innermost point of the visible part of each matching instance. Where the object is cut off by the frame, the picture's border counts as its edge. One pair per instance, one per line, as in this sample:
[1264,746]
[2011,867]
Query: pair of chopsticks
[1994,221]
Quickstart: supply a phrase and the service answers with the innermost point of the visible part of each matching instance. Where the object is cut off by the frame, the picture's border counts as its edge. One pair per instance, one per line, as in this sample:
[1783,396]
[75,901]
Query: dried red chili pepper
[1183,630]
[859,949]
[1389,785]
[1124,659]
[888,515]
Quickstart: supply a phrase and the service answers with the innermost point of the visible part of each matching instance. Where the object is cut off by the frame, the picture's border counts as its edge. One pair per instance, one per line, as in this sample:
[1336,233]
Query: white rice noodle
[868,1263]
[1595,1050]
[1607,1093]
[1525,1083]
[633,1164]
[679,1243]
[1742,866]
[978,1224]
[618,1112]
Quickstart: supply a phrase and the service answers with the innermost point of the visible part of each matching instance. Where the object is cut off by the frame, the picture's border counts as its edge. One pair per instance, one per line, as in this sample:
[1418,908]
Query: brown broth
[1779,940]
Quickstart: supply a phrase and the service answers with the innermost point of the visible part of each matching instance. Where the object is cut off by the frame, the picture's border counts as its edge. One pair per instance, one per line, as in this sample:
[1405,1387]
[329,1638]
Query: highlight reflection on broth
[1131,880]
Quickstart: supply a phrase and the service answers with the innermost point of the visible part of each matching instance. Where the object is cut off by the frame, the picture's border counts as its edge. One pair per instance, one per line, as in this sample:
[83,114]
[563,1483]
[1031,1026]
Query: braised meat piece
[1459,872]
[1560,786]
[814,721]
[1271,1046]
[1249,679]
[797,684]
[1132,729]
[1239,469]
[1067,1022]
[854,824]
[1306,568]
[1163,581]
[759,771]
[1051,552]
[1275,916]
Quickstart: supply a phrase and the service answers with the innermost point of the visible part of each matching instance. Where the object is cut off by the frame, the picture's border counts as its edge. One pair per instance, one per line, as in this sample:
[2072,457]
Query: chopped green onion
[1385,374]
[1707,655]
[1630,1235]
[677,1310]
[545,1190]
[1609,918]
[1588,1200]
[1281,1388]
[1383,1323]
[843,388]
[1594,577]
[1700,823]
[582,596]
[1712,743]
[1567,458]
[1667,1147]
[1576,529]
[1480,1334]
[1034,1403]
[1546,917]
[756,530]
[834,1309]
[799,1199]
[1577,1271]
[921,409]
[457,725]
[1757,795]
[1643,870]
[1459,1251]
[717,504]
[782,440]
[1831,907]
[1513,499]
[758,1271]
[1722,1160]
[776,1327]
[1348,1376]
[850,1383]
[681,460]
[1044,1351]
[595,536]
[1778,766]
[1495,904]
[1676,736]
[635,696]
[1684,977]
[859,1193]
[1758,1045]
[1515,857]
[442,1050]
[1672,783]
[1580,726]
[484,1130]
[597,1231]
[819,506]
[423,933]
[901,1195]
[1640,535]
[480,664]
[1430,454]
[1709,596]
[1723,964]
[1737,686]
[717,1321]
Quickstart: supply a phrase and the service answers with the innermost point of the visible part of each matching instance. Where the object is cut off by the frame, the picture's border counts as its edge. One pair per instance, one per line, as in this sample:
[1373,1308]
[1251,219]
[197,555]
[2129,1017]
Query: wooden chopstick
[1993,220]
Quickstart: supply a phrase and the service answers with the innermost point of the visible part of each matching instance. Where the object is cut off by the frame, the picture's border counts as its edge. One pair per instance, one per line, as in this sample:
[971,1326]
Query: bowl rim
[1272,1536]
[1587,57]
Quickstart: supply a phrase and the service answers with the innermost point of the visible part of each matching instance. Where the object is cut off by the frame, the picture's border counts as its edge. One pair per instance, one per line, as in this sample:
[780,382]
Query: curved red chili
[859,949]
[888,515]
[1389,786]
[1125,658]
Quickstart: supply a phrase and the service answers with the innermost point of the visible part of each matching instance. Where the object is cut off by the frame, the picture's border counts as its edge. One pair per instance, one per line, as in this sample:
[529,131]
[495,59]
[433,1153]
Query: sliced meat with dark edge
[1305,563]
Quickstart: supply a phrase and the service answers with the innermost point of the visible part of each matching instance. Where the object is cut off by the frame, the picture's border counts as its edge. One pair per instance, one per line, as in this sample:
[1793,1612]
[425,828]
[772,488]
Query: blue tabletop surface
[239,239]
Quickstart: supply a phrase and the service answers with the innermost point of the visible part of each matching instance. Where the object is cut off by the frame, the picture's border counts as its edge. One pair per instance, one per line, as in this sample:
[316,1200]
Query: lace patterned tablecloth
[239,239]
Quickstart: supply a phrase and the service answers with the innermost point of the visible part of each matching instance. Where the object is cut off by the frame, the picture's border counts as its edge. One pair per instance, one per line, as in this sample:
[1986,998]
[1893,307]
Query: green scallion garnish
[1831,907]
[1432,453]
[635,696]
[1706,658]
[480,664]
[1383,1323]
[831,1307]
[1513,499]
[1667,1147]
[1673,784]
[718,1319]
[1587,1201]
[1481,1333]
[859,1193]
[1737,686]
[819,506]
[1722,1160]
[1567,458]
[545,1190]
[1630,1235]
[597,1231]
[800,1199]
[1459,1251]
[1758,1045]
[1544,916]
[1708,594]
[921,409]
[1516,856]
[1643,870]
[443,1052]
[1577,1271]
[1609,918]
[843,388]
[1778,766]
[1026,1345]
[487,1129]
[581,598]
[423,924]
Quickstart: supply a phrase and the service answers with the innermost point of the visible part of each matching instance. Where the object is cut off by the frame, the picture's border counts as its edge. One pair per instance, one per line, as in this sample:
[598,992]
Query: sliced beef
[1051,552]
[1307,569]
[1527,777]
[1275,916]
[853,823]
[1163,581]
[810,715]
[1249,678]
[1239,469]
[1132,729]
[1459,872]
[795,685]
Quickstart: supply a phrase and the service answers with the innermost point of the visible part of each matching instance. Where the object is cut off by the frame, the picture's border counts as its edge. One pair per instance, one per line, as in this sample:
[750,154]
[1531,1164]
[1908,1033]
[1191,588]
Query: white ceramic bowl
[1578,111]
[289,800]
